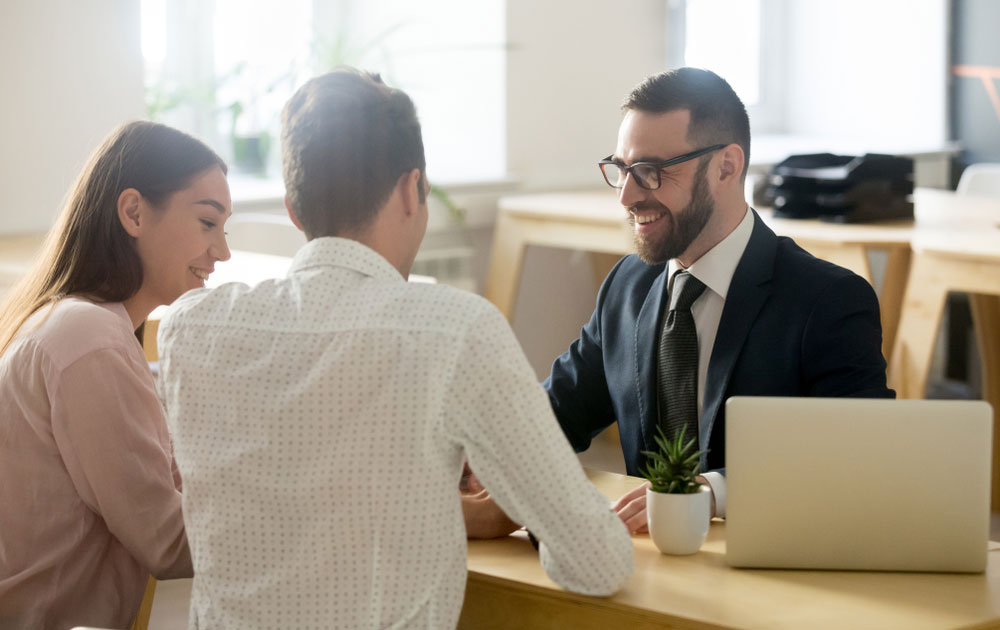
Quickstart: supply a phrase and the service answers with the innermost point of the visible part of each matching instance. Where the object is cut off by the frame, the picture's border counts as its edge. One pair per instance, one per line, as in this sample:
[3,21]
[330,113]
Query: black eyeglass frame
[660,166]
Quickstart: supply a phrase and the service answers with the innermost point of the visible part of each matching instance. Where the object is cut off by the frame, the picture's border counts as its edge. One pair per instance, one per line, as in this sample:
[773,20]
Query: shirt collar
[716,268]
[333,251]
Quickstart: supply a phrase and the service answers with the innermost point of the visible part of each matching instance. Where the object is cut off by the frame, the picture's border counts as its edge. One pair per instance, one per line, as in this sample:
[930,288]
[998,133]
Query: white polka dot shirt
[320,424]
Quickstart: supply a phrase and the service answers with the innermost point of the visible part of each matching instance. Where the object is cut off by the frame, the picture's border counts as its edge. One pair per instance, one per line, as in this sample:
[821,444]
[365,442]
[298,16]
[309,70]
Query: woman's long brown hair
[88,252]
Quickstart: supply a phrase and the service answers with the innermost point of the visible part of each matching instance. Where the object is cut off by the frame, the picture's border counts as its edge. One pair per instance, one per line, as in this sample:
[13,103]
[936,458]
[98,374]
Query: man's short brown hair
[718,116]
[346,137]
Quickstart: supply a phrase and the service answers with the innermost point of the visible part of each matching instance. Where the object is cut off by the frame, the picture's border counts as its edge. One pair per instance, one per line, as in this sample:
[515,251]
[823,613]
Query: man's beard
[681,230]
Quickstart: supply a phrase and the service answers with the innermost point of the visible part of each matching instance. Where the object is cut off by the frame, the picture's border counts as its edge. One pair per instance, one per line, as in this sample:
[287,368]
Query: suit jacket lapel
[645,344]
[748,292]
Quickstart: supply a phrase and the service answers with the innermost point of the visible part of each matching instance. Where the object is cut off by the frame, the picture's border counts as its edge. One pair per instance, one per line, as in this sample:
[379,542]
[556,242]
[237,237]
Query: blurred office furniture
[264,233]
[594,222]
[841,188]
[275,234]
[959,377]
[146,606]
[980,179]
[956,247]
[589,221]
[507,588]
[141,621]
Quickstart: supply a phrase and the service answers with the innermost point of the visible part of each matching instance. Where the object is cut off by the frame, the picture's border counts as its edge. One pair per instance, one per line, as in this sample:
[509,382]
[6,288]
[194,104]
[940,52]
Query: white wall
[71,71]
[867,70]
[570,66]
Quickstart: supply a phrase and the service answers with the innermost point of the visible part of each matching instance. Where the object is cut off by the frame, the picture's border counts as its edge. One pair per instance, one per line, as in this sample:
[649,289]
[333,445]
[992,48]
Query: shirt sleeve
[502,418]
[109,427]
[717,481]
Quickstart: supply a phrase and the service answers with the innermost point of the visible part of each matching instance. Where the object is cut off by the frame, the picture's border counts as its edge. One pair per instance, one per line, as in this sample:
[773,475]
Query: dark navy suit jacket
[792,325]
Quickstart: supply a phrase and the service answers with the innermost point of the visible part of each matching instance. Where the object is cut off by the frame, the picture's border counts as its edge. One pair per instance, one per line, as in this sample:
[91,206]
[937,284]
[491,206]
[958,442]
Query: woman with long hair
[90,501]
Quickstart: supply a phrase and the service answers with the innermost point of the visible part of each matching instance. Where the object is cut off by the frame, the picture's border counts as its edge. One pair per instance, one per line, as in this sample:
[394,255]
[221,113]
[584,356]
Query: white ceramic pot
[678,523]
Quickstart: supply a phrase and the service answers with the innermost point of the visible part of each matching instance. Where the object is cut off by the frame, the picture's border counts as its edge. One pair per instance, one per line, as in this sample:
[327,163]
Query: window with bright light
[223,69]
[728,37]
[729,47]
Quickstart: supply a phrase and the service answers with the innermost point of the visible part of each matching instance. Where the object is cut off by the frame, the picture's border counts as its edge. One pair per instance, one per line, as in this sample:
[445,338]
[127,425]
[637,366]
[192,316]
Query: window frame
[767,116]
[189,60]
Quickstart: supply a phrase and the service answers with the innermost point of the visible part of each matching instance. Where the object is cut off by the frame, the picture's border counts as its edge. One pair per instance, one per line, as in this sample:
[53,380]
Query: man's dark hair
[346,137]
[717,113]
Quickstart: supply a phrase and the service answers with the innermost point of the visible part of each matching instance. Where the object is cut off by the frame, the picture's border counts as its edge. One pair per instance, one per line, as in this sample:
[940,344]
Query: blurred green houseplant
[249,134]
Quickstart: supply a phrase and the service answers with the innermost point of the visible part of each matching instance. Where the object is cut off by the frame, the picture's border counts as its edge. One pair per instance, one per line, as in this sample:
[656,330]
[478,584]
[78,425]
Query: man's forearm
[484,518]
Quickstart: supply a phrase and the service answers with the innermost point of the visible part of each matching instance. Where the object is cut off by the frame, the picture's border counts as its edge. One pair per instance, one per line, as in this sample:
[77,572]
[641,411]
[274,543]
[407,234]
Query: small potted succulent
[678,508]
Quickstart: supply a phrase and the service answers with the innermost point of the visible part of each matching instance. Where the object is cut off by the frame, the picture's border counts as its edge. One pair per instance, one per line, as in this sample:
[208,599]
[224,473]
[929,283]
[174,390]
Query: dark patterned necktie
[677,373]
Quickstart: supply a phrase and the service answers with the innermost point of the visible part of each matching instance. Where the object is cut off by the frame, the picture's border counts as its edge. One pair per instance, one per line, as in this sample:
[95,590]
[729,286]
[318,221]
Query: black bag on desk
[842,188]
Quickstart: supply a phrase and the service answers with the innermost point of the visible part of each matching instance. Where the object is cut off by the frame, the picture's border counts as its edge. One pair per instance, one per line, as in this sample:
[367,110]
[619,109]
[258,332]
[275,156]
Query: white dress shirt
[321,422]
[715,270]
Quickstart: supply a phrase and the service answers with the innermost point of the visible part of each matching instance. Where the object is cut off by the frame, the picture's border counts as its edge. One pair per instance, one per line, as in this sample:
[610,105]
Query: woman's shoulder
[73,327]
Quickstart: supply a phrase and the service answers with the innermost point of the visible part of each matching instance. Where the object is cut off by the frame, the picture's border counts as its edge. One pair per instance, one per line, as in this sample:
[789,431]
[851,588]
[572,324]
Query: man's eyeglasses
[646,174]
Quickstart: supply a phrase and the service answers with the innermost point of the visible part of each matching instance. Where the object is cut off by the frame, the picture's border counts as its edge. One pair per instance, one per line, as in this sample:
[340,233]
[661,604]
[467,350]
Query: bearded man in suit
[770,319]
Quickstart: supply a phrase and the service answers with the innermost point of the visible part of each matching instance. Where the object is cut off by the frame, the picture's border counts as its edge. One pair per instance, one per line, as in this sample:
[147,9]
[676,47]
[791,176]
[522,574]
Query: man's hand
[631,507]
[484,518]
[469,483]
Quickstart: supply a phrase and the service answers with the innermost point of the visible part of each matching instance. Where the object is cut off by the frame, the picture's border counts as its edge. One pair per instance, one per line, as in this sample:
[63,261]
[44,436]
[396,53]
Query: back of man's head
[346,137]
[717,113]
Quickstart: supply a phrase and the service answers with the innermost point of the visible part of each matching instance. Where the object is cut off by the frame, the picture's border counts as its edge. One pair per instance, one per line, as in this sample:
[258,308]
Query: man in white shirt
[768,318]
[321,421]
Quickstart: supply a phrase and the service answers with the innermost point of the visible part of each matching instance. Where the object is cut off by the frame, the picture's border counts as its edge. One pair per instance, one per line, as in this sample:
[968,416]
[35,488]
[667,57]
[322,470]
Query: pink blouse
[90,500]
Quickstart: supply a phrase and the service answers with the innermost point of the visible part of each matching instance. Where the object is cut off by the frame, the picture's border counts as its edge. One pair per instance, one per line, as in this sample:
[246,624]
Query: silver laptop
[849,483]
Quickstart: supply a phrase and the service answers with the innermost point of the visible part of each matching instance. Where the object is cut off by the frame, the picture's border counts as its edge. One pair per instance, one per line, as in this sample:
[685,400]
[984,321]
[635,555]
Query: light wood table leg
[897,271]
[931,277]
[506,263]
[602,265]
[149,331]
[986,319]
[849,256]
[923,307]
[141,621]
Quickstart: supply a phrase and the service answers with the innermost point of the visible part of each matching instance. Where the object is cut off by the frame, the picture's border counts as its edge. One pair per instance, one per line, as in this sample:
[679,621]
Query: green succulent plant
[673,467]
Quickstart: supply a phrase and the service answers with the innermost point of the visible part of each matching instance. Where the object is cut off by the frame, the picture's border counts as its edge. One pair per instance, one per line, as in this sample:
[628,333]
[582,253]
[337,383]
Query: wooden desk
[507,588]
[966,261]
[595,222]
